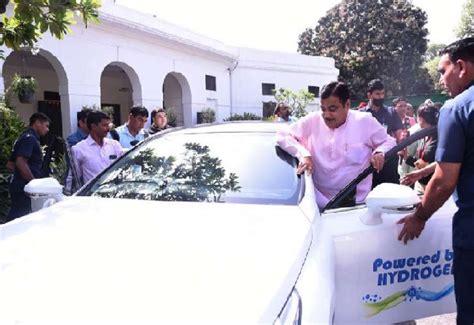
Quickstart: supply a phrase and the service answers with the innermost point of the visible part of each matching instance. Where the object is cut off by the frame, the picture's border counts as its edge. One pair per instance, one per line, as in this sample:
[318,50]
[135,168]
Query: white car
[212,225]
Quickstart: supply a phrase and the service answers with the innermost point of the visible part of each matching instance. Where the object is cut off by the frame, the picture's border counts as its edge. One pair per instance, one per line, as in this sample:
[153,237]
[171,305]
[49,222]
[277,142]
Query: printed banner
[381,280]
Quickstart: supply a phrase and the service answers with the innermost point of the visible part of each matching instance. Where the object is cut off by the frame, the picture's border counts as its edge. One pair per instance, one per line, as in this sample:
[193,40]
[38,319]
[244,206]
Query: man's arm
[76,160]
[416,175]
[438,190]
[379,141]
[21,164]
[292,139]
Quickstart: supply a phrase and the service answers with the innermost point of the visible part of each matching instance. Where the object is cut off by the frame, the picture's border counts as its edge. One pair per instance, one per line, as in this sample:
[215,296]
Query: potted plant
[24,88]
[207,115]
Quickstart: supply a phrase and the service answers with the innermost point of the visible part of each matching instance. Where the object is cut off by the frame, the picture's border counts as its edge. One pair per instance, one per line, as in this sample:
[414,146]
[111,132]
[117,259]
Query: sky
[275,24]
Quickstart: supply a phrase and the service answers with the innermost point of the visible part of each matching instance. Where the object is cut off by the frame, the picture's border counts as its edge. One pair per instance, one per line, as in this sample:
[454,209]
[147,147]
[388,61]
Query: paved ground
[446,319]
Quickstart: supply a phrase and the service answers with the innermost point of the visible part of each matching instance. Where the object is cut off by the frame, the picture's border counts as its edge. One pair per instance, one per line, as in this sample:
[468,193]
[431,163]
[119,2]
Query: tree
[466,24]
[298,101]
[32,18]
[433,51]
[431,64]
[369,39]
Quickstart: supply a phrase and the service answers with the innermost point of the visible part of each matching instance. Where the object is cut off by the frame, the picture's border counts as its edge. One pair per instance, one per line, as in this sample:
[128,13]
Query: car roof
[232,127]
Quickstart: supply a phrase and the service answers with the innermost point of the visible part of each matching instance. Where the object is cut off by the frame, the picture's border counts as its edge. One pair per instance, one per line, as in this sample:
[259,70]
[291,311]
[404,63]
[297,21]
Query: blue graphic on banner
[376,304]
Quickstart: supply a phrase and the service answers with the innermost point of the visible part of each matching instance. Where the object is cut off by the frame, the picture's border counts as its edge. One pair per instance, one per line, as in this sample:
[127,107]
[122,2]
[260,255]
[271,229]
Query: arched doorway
[120,89]
[51,96]
[177,97]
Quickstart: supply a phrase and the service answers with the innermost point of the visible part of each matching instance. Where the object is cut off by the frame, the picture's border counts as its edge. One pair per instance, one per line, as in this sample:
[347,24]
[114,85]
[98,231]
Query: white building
[132,58]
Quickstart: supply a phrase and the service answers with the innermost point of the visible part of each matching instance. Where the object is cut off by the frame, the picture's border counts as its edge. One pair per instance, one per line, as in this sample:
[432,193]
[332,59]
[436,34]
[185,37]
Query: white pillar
[76,97]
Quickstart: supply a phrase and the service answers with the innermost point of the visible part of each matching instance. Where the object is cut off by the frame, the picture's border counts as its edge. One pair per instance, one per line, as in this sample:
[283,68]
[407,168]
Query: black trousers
[388,174]
[463,272]
[20,205]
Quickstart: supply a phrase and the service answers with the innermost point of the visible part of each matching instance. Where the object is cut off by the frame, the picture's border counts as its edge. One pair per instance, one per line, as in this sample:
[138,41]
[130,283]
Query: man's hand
[411,178]
[420,164]
[412,227]
[305,164]
[377,161]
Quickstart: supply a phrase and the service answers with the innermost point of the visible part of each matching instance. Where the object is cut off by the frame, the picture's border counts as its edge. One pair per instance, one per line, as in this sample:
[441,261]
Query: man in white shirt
[96,152]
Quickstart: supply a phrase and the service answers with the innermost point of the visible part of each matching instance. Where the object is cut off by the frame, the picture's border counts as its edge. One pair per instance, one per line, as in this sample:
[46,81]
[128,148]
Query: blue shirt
[28,147]
[291,119]
[388,117]
[126,138]
[76,137]
[456,145]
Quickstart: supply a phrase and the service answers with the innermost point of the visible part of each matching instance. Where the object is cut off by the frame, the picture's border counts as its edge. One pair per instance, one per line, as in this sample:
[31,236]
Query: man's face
[376,94]
[160,119]
[449,77]
[136,122]
[284,112]
[401,107]
[334,111]
[42,128]
[83,125]
[101,129]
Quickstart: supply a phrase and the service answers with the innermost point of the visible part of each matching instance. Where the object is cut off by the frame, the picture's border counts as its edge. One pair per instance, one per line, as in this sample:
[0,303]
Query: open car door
[378,279]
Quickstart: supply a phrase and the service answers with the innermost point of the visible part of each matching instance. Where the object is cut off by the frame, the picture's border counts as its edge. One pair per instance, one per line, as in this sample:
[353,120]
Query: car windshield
[210,167]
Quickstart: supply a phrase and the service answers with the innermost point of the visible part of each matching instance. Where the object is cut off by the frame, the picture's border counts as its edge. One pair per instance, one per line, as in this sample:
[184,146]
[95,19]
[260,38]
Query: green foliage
[297,101]
[243,117]
[197,177]
[32,18]
[466,24]
[268,109]
[11,127]
[208,115]
[432,67]
[433,51]
[23,85]
[373,39]
[171,115]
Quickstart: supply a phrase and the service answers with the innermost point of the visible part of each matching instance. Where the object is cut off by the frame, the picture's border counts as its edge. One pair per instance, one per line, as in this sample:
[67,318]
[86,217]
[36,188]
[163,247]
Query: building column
[73,98]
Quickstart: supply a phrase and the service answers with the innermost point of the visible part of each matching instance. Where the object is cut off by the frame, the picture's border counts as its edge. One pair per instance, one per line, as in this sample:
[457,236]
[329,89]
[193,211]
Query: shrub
[171,115]
[244,117]
[208,115]
[11,127]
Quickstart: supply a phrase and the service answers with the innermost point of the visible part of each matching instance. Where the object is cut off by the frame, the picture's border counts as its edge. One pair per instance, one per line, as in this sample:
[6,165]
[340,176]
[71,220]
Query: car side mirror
[388,197]
[44,192]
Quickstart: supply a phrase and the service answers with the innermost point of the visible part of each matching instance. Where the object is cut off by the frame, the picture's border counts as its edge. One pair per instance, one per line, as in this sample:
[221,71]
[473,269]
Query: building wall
[148,49]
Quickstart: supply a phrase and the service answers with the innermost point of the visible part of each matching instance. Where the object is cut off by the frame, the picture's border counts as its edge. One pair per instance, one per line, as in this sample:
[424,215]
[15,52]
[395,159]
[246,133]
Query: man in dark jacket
[28,159]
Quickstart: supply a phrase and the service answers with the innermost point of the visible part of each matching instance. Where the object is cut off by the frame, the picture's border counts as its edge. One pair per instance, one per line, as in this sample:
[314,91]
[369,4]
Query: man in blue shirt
[454,171]
[132,132]
[388,117]
[28,159]
[82,130]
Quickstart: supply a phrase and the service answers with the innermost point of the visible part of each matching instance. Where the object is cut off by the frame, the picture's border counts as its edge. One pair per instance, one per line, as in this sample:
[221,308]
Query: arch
[183,103]
[60,73]
[116,71]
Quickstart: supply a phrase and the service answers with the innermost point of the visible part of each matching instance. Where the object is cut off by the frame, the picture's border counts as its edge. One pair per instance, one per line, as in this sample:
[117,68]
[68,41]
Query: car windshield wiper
[334,202]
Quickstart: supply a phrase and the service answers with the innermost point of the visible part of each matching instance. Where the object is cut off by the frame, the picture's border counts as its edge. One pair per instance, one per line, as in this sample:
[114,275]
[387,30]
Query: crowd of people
[334,144]
[93,146]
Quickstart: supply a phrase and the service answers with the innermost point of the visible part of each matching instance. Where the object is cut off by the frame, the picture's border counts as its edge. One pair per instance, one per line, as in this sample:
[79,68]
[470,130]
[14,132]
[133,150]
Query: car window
[213,167]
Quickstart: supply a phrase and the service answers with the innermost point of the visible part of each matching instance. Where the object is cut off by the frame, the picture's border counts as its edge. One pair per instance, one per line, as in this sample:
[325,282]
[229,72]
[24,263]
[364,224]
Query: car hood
[91,259]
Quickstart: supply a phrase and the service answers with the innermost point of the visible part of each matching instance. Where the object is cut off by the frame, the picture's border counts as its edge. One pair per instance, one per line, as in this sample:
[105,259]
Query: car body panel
[95,259]
[339,272]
